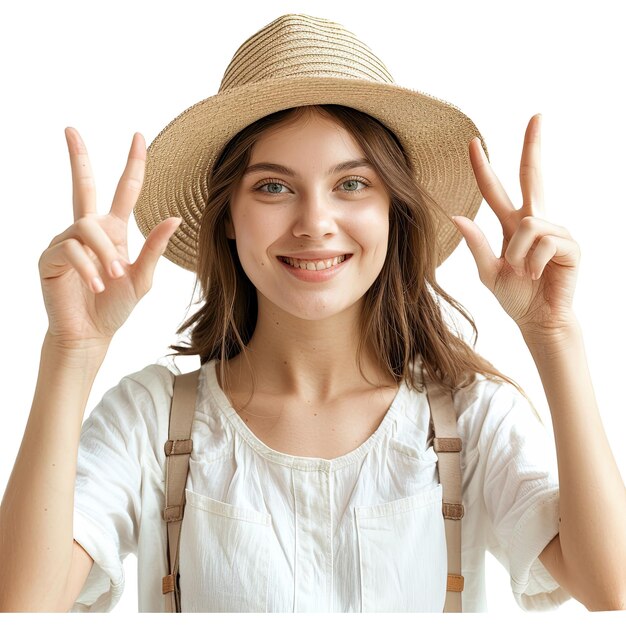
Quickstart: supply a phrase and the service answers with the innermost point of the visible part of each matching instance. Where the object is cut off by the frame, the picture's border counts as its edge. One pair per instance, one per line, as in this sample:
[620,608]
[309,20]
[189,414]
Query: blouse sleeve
[113,457]
[521,496]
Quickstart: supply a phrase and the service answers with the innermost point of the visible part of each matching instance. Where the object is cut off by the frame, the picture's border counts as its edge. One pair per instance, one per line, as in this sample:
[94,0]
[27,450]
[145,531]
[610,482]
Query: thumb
[476,241]
[153,248]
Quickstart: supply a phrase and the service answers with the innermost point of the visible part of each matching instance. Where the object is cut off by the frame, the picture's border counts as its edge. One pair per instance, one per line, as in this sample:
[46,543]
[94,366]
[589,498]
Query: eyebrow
[282,169]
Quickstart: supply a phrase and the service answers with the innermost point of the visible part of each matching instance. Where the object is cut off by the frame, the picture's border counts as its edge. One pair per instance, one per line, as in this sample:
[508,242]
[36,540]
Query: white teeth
[310,265]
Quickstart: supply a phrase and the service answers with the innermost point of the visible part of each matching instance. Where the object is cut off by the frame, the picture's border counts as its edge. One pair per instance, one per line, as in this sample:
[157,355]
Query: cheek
[254,237]
[371,232]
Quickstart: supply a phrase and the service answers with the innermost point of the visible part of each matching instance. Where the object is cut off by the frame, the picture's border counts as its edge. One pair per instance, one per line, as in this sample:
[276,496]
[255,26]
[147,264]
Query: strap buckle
[453,510]
[178,446]
[173,513]
[167,584]
[455,583]
[447,444]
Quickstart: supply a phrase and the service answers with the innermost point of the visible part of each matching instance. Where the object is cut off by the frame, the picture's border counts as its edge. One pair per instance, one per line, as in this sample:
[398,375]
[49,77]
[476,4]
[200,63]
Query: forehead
[307,138]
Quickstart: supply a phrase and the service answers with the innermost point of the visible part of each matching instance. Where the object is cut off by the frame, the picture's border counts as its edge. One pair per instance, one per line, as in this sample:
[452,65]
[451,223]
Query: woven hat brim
[435,135]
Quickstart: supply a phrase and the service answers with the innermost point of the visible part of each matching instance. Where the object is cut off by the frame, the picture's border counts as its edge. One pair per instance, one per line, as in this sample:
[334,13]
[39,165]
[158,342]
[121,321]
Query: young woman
[313,198]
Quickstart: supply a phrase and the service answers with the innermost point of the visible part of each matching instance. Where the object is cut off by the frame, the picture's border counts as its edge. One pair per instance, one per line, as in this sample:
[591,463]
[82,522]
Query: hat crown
[296,46]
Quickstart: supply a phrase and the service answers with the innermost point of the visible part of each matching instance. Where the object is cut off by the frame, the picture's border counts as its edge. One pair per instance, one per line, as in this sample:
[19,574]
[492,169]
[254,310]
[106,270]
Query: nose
[316,215]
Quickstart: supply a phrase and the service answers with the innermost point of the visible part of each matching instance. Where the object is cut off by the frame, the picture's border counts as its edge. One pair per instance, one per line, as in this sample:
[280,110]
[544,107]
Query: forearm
[36,514]
[592,502]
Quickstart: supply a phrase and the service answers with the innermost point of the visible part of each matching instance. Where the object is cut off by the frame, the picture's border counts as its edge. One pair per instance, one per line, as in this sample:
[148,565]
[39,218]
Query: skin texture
[305,341]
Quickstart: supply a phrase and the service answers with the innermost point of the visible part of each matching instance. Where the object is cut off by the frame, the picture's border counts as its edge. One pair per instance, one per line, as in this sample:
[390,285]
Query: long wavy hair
[403,310]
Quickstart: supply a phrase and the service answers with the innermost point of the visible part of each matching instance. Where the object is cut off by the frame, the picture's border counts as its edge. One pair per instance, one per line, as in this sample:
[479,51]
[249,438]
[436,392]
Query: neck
[311,360]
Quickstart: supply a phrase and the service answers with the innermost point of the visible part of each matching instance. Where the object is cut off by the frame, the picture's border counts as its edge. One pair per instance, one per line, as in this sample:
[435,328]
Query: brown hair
[402,314]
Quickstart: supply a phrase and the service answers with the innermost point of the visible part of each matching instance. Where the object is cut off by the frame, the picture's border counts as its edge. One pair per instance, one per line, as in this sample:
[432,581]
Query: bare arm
[36,514]
[43,569]
[587,556]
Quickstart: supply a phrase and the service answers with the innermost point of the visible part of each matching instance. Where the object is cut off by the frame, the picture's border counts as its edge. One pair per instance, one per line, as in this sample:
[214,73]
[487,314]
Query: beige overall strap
[177,450]
[448,445]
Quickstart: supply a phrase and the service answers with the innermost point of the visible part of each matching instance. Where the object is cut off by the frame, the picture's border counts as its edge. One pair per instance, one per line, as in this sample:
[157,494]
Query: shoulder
[494,415]
[133,416]
[486,396]
[481,399]
[146,391]
[137,401]
[155,379]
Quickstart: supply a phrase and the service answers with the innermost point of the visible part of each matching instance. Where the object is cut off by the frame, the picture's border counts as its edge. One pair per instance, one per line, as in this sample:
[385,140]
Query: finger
[131,180]
[530,229]
[562,251]
[71,251]
[153,248]
[486,260]
[491,188]
[530,177]
[83,183]
[89,232]
[92,235]
[545,250]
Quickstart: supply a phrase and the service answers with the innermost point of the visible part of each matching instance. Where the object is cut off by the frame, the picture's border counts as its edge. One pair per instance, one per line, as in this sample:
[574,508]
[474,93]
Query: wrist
[551,341]
[75,353]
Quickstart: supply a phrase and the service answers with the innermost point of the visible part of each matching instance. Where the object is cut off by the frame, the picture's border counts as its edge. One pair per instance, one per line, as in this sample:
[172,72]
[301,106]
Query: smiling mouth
[315,265]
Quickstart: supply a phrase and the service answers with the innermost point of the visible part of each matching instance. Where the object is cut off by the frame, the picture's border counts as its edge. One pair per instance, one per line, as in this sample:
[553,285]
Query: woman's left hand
[539,298]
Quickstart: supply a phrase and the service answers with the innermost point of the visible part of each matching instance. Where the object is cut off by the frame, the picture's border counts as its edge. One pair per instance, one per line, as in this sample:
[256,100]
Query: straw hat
[293,61]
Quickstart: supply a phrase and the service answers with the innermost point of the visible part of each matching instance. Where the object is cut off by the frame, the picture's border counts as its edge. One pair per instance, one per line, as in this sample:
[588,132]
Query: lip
[317,276]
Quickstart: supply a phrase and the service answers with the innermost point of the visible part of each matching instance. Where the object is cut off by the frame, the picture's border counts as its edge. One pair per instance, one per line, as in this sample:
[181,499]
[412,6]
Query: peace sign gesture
[88,297]
[535,277]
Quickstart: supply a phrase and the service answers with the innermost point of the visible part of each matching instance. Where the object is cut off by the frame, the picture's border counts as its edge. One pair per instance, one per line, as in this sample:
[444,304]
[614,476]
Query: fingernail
[116,269]
[97,284]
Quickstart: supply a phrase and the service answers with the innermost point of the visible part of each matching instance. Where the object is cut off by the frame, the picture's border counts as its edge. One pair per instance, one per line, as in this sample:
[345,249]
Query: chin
[318,309]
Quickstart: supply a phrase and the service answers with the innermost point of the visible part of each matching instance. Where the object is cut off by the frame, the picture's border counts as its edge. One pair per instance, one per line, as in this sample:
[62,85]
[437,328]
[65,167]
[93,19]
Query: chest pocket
[402,547]
[224,557]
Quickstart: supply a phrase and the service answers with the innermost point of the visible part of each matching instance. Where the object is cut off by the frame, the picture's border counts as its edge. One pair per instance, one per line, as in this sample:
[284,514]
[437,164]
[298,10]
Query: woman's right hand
[79,312]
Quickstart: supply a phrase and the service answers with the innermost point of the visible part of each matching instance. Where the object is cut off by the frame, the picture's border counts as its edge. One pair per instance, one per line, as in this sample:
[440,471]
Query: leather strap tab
[167,583]
[453,511]
[447,444]
[178,446]
[455,583]
[172,513]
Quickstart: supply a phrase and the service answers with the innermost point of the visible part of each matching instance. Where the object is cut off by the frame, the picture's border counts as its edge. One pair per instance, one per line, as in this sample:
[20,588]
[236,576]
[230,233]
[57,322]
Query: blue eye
[273,184]
[353,180]
[270,185]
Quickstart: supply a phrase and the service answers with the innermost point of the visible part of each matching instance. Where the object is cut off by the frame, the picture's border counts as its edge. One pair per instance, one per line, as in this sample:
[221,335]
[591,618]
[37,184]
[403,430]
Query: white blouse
[265,531]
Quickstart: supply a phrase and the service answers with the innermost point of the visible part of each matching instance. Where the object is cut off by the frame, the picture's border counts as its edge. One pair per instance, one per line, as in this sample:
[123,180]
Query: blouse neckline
[299,462]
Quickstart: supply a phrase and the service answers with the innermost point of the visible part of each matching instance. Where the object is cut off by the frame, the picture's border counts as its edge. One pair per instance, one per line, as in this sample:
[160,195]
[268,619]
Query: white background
[112,68]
